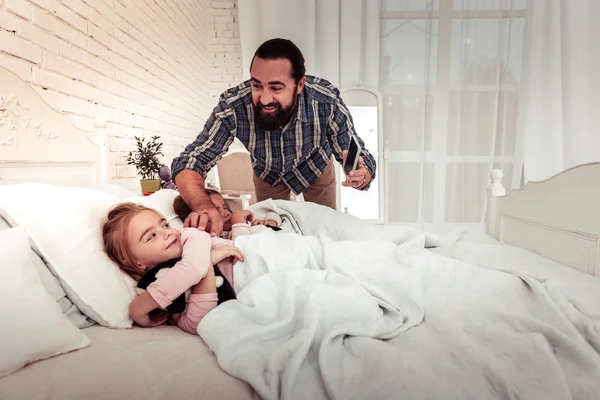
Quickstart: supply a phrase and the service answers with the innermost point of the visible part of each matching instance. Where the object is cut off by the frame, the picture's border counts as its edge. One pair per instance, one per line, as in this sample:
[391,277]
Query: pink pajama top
[194,264]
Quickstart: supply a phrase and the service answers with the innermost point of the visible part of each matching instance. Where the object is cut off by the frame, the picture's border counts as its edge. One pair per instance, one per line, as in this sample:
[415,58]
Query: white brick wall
[148,67]
[225,65]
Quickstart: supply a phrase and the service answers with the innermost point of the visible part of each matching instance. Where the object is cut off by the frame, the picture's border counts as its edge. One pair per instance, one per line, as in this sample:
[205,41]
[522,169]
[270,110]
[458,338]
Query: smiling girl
[139,239]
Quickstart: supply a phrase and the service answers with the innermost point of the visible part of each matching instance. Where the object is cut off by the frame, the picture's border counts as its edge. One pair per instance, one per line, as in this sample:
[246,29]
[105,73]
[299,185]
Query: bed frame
[554,218]
[40,144]
[557,218]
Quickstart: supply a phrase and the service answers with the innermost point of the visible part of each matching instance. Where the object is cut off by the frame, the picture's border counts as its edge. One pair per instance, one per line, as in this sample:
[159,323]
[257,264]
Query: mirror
[364,104]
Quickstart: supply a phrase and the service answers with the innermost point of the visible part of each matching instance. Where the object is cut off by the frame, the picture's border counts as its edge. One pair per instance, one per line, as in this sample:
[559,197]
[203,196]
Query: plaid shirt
[297,154]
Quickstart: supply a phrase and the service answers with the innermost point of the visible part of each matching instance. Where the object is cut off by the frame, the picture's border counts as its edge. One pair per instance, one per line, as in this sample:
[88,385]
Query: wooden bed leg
[494,190]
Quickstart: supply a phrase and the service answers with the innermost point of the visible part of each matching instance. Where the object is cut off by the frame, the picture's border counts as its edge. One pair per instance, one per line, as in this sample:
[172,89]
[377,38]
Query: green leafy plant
[145,158]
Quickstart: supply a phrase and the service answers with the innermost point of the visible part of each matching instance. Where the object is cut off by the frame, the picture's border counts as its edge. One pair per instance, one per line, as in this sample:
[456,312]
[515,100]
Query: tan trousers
[322,191]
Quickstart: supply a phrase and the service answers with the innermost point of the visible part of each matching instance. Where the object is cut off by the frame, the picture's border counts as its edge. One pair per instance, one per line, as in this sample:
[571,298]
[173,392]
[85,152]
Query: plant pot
[150,185]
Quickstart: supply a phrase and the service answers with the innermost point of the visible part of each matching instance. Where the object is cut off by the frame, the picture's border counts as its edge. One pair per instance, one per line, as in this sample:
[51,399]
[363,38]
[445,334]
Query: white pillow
[65,224]
[116,190]
[53,286]
[33,326]
[161,201]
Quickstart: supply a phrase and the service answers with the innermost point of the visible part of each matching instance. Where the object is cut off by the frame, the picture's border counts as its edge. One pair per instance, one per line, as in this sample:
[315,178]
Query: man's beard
[277,118]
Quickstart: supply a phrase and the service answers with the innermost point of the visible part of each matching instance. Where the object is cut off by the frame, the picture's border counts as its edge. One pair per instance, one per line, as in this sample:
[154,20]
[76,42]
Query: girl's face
[223,209]
[152,241]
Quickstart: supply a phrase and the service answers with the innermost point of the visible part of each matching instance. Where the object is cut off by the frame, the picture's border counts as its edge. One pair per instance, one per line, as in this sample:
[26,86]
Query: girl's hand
[266,222]
[145,321]
[242,216]
[220,253]
[140,309]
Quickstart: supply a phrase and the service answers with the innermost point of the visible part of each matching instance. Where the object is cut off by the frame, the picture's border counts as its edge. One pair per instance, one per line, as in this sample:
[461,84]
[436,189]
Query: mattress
[140,363]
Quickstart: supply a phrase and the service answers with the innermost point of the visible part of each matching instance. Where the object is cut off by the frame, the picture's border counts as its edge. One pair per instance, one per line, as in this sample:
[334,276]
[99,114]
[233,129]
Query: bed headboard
[558,218]
[40,144]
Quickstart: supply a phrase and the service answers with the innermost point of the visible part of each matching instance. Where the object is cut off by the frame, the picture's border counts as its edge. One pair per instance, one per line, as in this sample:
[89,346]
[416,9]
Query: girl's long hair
[114,236]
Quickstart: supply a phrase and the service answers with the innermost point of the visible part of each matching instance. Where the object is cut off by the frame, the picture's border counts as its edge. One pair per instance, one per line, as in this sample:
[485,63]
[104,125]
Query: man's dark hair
[275,49]
[182,209]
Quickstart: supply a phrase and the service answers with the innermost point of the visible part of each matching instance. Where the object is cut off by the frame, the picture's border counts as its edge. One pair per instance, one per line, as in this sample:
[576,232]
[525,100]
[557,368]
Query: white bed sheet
[134,364]
[485,251]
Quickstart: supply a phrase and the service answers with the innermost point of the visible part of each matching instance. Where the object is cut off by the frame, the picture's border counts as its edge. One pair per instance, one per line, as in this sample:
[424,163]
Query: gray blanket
[337,316]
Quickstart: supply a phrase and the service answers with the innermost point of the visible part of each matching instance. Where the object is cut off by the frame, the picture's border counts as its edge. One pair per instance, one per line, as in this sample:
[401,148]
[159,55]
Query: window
[451,80]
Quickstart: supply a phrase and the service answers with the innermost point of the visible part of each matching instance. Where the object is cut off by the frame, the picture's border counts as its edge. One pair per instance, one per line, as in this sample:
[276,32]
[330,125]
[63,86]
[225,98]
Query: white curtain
[451,78]
[562,112]
[339,38]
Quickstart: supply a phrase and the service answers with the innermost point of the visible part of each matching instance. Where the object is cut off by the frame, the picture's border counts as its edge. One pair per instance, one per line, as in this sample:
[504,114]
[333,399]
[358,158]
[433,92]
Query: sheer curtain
[451,76]
[562,108]
[339,38]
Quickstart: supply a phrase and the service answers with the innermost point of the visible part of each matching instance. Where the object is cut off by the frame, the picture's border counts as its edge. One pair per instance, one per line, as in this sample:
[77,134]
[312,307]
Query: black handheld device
[353,154]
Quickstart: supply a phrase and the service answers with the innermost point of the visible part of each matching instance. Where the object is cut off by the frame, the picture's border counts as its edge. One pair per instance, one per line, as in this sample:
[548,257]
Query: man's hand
[203,216]
[358,178]
[220,253]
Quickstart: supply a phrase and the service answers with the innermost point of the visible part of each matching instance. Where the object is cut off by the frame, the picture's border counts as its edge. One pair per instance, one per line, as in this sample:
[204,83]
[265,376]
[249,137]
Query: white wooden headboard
[558,218]
[39,144]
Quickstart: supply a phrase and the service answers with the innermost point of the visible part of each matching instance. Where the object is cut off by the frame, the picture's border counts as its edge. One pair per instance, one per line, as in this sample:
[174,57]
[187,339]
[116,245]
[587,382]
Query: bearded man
[290,123]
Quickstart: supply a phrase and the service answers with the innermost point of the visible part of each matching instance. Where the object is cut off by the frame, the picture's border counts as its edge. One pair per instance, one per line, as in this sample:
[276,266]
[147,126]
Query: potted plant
[145,159]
